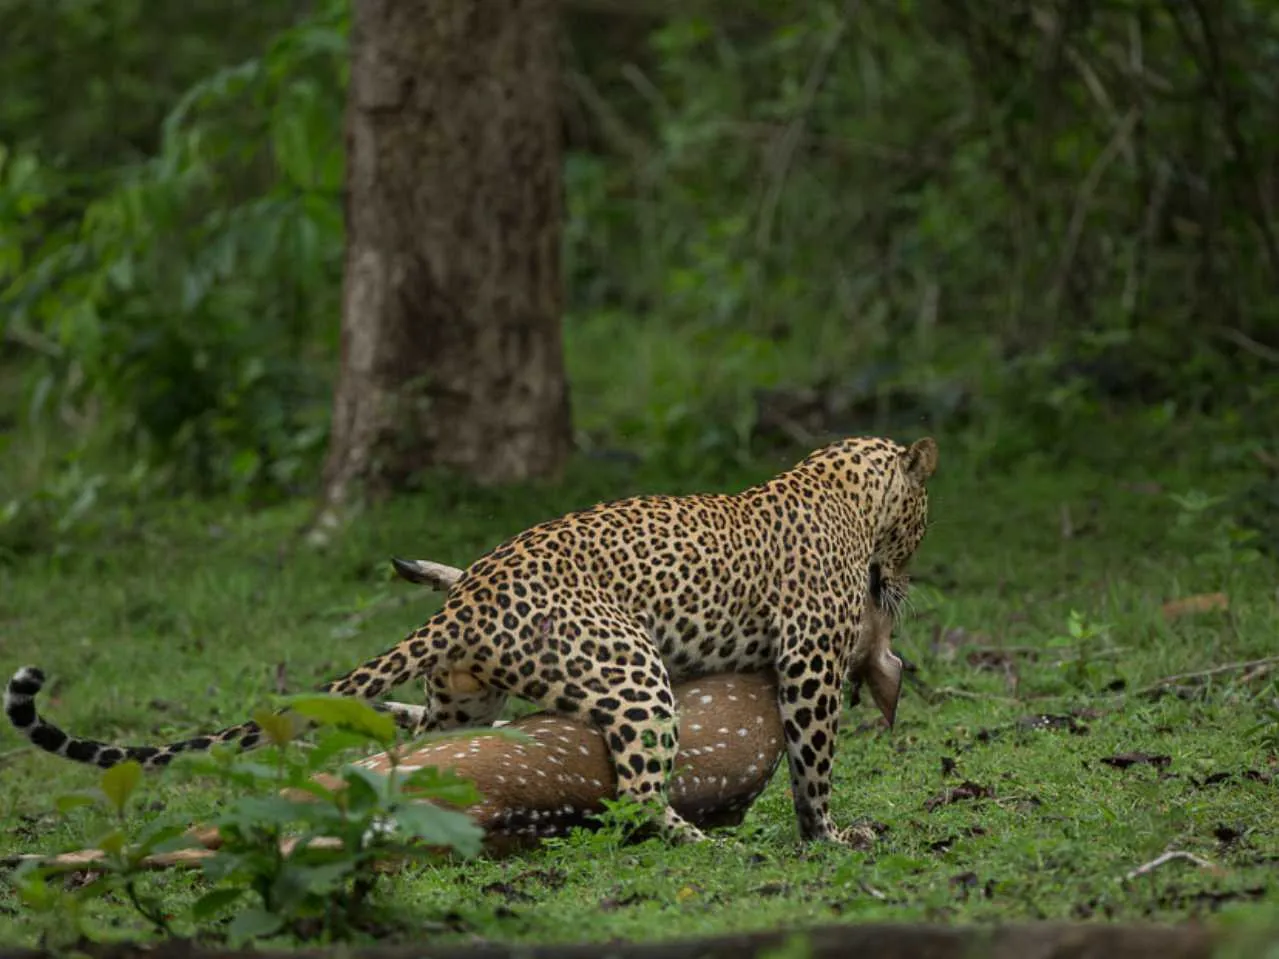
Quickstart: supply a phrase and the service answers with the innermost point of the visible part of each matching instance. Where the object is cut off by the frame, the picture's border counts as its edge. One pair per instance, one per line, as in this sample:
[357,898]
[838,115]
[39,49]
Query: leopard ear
[920,460]
[883,675]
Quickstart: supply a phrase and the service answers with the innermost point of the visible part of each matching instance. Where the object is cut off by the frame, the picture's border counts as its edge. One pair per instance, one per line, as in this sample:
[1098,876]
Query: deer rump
[557,779]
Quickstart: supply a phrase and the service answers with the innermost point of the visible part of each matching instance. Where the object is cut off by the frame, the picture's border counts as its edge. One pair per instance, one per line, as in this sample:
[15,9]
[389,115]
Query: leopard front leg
[810,680]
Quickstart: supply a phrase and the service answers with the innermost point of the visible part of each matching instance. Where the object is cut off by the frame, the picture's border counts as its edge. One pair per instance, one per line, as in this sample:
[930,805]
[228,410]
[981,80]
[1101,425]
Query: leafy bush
[306,889]
[1062,207]
[195,297]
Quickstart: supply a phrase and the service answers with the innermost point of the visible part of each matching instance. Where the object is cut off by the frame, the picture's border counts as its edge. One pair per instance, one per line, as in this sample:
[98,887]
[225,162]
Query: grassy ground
[1040,592]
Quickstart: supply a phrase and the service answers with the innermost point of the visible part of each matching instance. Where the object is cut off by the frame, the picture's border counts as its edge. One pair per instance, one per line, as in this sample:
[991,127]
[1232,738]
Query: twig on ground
[968,694]
[871,891]
[1261,665]
[1170,856]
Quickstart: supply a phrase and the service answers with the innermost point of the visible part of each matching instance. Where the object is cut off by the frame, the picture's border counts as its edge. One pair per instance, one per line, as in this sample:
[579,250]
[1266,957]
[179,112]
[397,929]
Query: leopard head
[903,516]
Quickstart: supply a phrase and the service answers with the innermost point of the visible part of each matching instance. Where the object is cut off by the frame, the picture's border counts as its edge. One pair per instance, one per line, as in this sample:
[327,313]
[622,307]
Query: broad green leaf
[347,713]
[440,827]
[214,902]
[320,792]
[112,843]
[364,788]
[278,727]
[298,879]
[65,803]
[235,866]
[271,811]
[165,837]
[119,782]
[253,923]
[331,742]
[34,888]
[430,782]
[237,769]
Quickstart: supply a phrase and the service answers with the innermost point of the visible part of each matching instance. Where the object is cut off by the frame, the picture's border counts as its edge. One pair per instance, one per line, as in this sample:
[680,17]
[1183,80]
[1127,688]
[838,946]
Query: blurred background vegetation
[1016,223]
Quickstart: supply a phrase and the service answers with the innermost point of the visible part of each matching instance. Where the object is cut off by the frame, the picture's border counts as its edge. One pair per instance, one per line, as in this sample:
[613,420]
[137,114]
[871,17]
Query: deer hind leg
[456,700]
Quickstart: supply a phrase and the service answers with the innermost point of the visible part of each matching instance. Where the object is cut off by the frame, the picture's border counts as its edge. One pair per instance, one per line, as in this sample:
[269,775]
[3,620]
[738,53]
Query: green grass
[179,620]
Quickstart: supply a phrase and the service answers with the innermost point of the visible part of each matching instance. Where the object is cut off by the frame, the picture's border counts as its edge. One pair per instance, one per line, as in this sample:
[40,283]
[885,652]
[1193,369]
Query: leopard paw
[860,837]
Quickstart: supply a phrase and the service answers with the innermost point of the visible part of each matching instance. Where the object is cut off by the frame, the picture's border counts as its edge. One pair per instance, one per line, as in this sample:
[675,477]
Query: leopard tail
[364,682]
[20,707]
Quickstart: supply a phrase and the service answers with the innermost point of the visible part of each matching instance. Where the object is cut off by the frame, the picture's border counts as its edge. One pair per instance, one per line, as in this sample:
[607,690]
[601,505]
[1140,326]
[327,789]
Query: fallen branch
[958,693]
[1264,665]
[1171,856]
[205,845]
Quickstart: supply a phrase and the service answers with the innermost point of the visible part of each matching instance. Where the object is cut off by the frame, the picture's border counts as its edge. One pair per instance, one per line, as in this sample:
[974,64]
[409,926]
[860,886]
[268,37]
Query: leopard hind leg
[614,678]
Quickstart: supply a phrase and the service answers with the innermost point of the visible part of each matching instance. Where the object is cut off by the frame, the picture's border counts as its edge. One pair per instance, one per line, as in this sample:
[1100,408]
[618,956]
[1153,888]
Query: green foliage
[1056,208]
[1021,218]
[121,865]
[186,301]
[317,886]
[623,820]
[1266,732]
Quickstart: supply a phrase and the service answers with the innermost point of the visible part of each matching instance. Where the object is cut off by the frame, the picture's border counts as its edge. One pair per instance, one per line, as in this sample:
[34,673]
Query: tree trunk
[451,353]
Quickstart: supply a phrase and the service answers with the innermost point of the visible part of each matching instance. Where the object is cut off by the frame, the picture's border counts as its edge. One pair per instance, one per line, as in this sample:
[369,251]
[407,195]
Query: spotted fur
[730,745]
[557,777]
[593,615]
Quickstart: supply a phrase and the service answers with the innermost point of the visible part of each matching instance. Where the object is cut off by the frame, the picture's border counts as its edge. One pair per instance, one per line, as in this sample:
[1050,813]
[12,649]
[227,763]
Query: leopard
[593,615]
[556,777]
[874,664]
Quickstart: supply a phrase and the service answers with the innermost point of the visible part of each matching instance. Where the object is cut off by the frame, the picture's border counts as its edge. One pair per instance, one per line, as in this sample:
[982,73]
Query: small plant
[623,819]
[1198,521]
[1082,645]
[117,873]
[1266,732]
[307,852]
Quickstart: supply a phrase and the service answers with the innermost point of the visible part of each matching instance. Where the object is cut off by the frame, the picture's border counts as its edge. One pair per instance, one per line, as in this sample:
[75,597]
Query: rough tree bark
[451,352]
